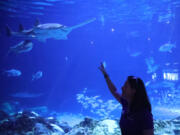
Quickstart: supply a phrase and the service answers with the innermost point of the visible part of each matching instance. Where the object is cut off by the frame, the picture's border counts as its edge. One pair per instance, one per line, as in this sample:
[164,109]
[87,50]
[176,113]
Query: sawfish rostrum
[42,32]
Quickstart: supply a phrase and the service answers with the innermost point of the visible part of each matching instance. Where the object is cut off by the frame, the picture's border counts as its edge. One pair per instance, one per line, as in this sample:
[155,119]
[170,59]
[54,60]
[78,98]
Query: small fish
[134,34]
[175,63]
[167,47]
[24,46]
[147,83]
[102,20]
[12,73]
[150,65]
[37,75]
[26,95]
[167,64]
[42,3]
[165,17]
[135,54]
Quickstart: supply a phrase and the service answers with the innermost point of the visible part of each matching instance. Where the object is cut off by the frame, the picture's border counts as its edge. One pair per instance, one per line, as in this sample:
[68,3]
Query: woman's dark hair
[140,100]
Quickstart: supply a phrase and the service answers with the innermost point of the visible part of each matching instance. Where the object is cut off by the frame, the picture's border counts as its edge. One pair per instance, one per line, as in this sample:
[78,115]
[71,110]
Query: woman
[136,117]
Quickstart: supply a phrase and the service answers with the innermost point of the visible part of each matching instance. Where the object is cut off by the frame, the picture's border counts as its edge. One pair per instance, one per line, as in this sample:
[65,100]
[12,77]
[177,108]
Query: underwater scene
[50,51]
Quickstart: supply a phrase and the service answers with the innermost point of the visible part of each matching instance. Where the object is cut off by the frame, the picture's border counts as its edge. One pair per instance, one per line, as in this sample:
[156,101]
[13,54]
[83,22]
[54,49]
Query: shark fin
[36,23]
[8,31]
[21,28]
[82,24]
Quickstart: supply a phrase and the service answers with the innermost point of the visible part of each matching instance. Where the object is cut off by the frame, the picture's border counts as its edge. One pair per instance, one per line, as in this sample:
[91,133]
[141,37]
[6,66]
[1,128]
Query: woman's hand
[102,69]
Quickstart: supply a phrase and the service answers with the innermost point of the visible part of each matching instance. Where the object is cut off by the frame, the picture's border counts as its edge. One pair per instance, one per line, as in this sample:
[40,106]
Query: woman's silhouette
[136,117]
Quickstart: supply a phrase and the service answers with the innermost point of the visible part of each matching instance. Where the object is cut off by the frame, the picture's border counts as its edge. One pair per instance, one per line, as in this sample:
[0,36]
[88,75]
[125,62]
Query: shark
[42,32]
[26,95]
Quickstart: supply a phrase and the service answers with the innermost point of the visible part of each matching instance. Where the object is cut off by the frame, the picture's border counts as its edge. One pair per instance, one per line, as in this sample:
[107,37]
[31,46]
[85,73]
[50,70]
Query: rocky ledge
[30,123]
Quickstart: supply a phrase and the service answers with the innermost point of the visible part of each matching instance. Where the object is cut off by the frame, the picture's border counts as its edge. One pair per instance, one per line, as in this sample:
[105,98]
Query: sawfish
[42,32]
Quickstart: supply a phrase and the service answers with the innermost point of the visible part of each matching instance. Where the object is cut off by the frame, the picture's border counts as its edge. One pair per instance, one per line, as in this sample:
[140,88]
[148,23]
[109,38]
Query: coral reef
[30,123]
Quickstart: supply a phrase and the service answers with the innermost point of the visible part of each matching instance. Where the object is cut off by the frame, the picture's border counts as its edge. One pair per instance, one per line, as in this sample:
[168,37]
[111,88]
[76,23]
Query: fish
[165,17]
[42,3]
[102,20]
[37,75]
[135,54]
[167,47]
[22,47]
[134,34]
[147,83]
[12,73]
[26,95]
[42,32]
[151,66]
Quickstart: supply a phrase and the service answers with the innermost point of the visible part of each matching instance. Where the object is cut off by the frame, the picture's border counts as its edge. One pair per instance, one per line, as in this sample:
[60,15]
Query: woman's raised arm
[111,86]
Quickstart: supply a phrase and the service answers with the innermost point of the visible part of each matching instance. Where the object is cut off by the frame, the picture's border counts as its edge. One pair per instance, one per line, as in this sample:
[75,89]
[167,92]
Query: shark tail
[36,22]
[82,24]
[8,31]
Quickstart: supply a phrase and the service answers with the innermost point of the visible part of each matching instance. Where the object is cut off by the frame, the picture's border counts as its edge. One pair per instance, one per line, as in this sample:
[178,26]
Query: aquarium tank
[51,51]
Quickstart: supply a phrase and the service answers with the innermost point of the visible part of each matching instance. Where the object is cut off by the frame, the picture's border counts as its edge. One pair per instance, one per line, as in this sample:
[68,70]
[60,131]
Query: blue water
[131,37]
